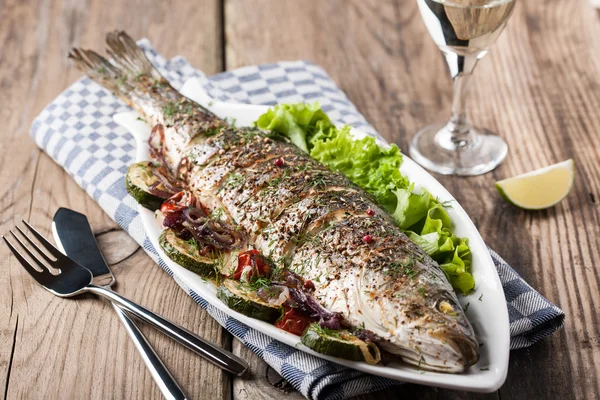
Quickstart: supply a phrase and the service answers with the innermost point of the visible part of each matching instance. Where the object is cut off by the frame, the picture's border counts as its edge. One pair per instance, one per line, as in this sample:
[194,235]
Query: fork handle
[216,355]
[163,378]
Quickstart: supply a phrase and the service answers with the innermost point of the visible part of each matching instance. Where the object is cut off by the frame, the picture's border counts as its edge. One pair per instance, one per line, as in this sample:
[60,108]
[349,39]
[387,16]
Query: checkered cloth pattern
[78,132]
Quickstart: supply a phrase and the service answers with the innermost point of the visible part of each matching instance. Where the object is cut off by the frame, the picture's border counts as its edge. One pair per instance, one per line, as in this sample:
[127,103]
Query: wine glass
[463,30]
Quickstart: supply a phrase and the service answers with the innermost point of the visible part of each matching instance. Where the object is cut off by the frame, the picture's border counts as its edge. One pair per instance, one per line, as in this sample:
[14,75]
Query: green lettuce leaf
[428,242]
[457,268]
[437,219]
[451,252]
[410,207]
[296,121]
[363,161]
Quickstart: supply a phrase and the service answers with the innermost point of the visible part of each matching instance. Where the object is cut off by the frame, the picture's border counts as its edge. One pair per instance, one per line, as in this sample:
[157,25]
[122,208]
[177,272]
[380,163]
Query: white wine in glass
[463,30]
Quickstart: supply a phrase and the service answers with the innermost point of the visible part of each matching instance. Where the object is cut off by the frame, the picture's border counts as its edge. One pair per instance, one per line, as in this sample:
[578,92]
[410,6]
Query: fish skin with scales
[300,214]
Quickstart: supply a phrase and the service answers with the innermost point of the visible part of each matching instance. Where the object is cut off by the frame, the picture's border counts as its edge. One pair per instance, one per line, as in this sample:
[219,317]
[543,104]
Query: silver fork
[73,279]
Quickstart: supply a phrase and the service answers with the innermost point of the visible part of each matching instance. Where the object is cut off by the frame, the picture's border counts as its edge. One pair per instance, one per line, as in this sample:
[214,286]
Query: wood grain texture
[55,348]
[261,382]
[538,87]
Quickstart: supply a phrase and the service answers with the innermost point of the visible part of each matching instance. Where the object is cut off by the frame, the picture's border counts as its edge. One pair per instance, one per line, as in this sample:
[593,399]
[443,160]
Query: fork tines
[34,255]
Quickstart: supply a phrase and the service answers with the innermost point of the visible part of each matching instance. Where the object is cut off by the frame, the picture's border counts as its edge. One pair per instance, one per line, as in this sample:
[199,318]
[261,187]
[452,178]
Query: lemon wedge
[539,189]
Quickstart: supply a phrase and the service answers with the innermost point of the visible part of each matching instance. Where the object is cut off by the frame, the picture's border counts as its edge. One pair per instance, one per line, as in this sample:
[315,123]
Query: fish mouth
[451,352]
[466,347]
[440,351]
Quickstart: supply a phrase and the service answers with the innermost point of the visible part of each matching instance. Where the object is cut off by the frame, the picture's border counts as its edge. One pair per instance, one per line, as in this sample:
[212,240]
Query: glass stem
[458,118]
[461,68]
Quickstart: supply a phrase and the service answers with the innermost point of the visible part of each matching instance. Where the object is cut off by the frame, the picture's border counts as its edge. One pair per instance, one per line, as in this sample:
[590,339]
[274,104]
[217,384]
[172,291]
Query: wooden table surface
[539,87]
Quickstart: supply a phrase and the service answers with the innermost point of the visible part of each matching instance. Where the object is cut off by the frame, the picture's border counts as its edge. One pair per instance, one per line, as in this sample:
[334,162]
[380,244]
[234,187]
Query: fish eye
[447,308]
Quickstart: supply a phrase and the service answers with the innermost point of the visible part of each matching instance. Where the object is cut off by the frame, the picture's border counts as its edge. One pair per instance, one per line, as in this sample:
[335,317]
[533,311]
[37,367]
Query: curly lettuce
[376,170]
[297,121]
[433,234]
[364,162]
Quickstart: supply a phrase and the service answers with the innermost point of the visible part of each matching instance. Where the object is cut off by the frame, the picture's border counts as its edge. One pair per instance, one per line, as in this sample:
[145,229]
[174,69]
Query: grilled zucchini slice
[340,343]
[139,177]
[185,253]
[244,300]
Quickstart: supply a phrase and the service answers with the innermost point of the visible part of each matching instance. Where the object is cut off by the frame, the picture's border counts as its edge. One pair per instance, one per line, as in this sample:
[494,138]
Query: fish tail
[128,55]
[127,72]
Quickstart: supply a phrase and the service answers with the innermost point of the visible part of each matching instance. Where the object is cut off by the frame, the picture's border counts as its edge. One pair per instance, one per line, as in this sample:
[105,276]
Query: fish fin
[125,52]
[122,73]
[97,68]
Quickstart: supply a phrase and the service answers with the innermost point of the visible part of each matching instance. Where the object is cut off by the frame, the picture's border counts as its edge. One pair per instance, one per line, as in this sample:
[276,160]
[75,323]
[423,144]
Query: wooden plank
[17,167]
[538,87]
[54,348]
[261,382]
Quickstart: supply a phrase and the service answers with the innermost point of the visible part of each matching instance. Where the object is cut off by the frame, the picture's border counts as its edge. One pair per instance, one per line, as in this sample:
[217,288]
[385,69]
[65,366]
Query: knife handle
[216,355]
[163,378]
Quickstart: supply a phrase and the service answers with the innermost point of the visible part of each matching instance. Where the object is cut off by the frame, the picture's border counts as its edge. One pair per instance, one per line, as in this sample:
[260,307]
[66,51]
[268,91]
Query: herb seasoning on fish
[365,274]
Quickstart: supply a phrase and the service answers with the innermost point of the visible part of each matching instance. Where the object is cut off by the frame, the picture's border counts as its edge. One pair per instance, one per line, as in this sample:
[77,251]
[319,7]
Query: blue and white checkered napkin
[78,132]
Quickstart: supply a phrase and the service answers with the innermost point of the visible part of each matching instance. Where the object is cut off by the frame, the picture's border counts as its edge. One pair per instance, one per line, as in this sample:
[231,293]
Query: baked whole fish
[256,193]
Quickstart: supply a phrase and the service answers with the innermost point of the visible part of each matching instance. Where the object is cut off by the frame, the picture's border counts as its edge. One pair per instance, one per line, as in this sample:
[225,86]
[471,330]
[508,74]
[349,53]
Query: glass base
[472,152]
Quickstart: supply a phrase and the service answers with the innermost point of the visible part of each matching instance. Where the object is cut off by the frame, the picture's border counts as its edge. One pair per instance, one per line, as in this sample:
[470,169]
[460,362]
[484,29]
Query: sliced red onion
[289,279]
[186,235]
[283,296]
[274,294]
[195,216]
[221,233]
[155,141]
[156,154]
[214,233]
[174,221]
[306,303]
[367,335]
[171,184]
[311,307]
[163,194]
[334,322]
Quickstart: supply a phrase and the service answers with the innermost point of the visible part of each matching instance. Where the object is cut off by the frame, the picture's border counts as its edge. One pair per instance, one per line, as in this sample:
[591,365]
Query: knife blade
[74,237]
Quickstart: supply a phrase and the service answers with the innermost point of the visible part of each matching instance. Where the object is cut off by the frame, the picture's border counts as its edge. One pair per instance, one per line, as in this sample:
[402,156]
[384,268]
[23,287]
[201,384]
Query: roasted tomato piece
[251,264]
[178,202]
[293,321]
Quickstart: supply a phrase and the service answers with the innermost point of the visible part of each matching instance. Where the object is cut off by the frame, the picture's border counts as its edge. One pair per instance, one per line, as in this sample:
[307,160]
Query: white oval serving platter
[487,310]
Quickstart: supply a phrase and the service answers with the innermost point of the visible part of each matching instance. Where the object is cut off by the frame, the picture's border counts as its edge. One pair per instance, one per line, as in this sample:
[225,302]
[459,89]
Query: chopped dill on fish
[314,221]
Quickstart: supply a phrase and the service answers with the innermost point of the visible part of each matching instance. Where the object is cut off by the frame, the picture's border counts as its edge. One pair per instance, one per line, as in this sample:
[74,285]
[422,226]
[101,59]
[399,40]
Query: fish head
[419,318]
